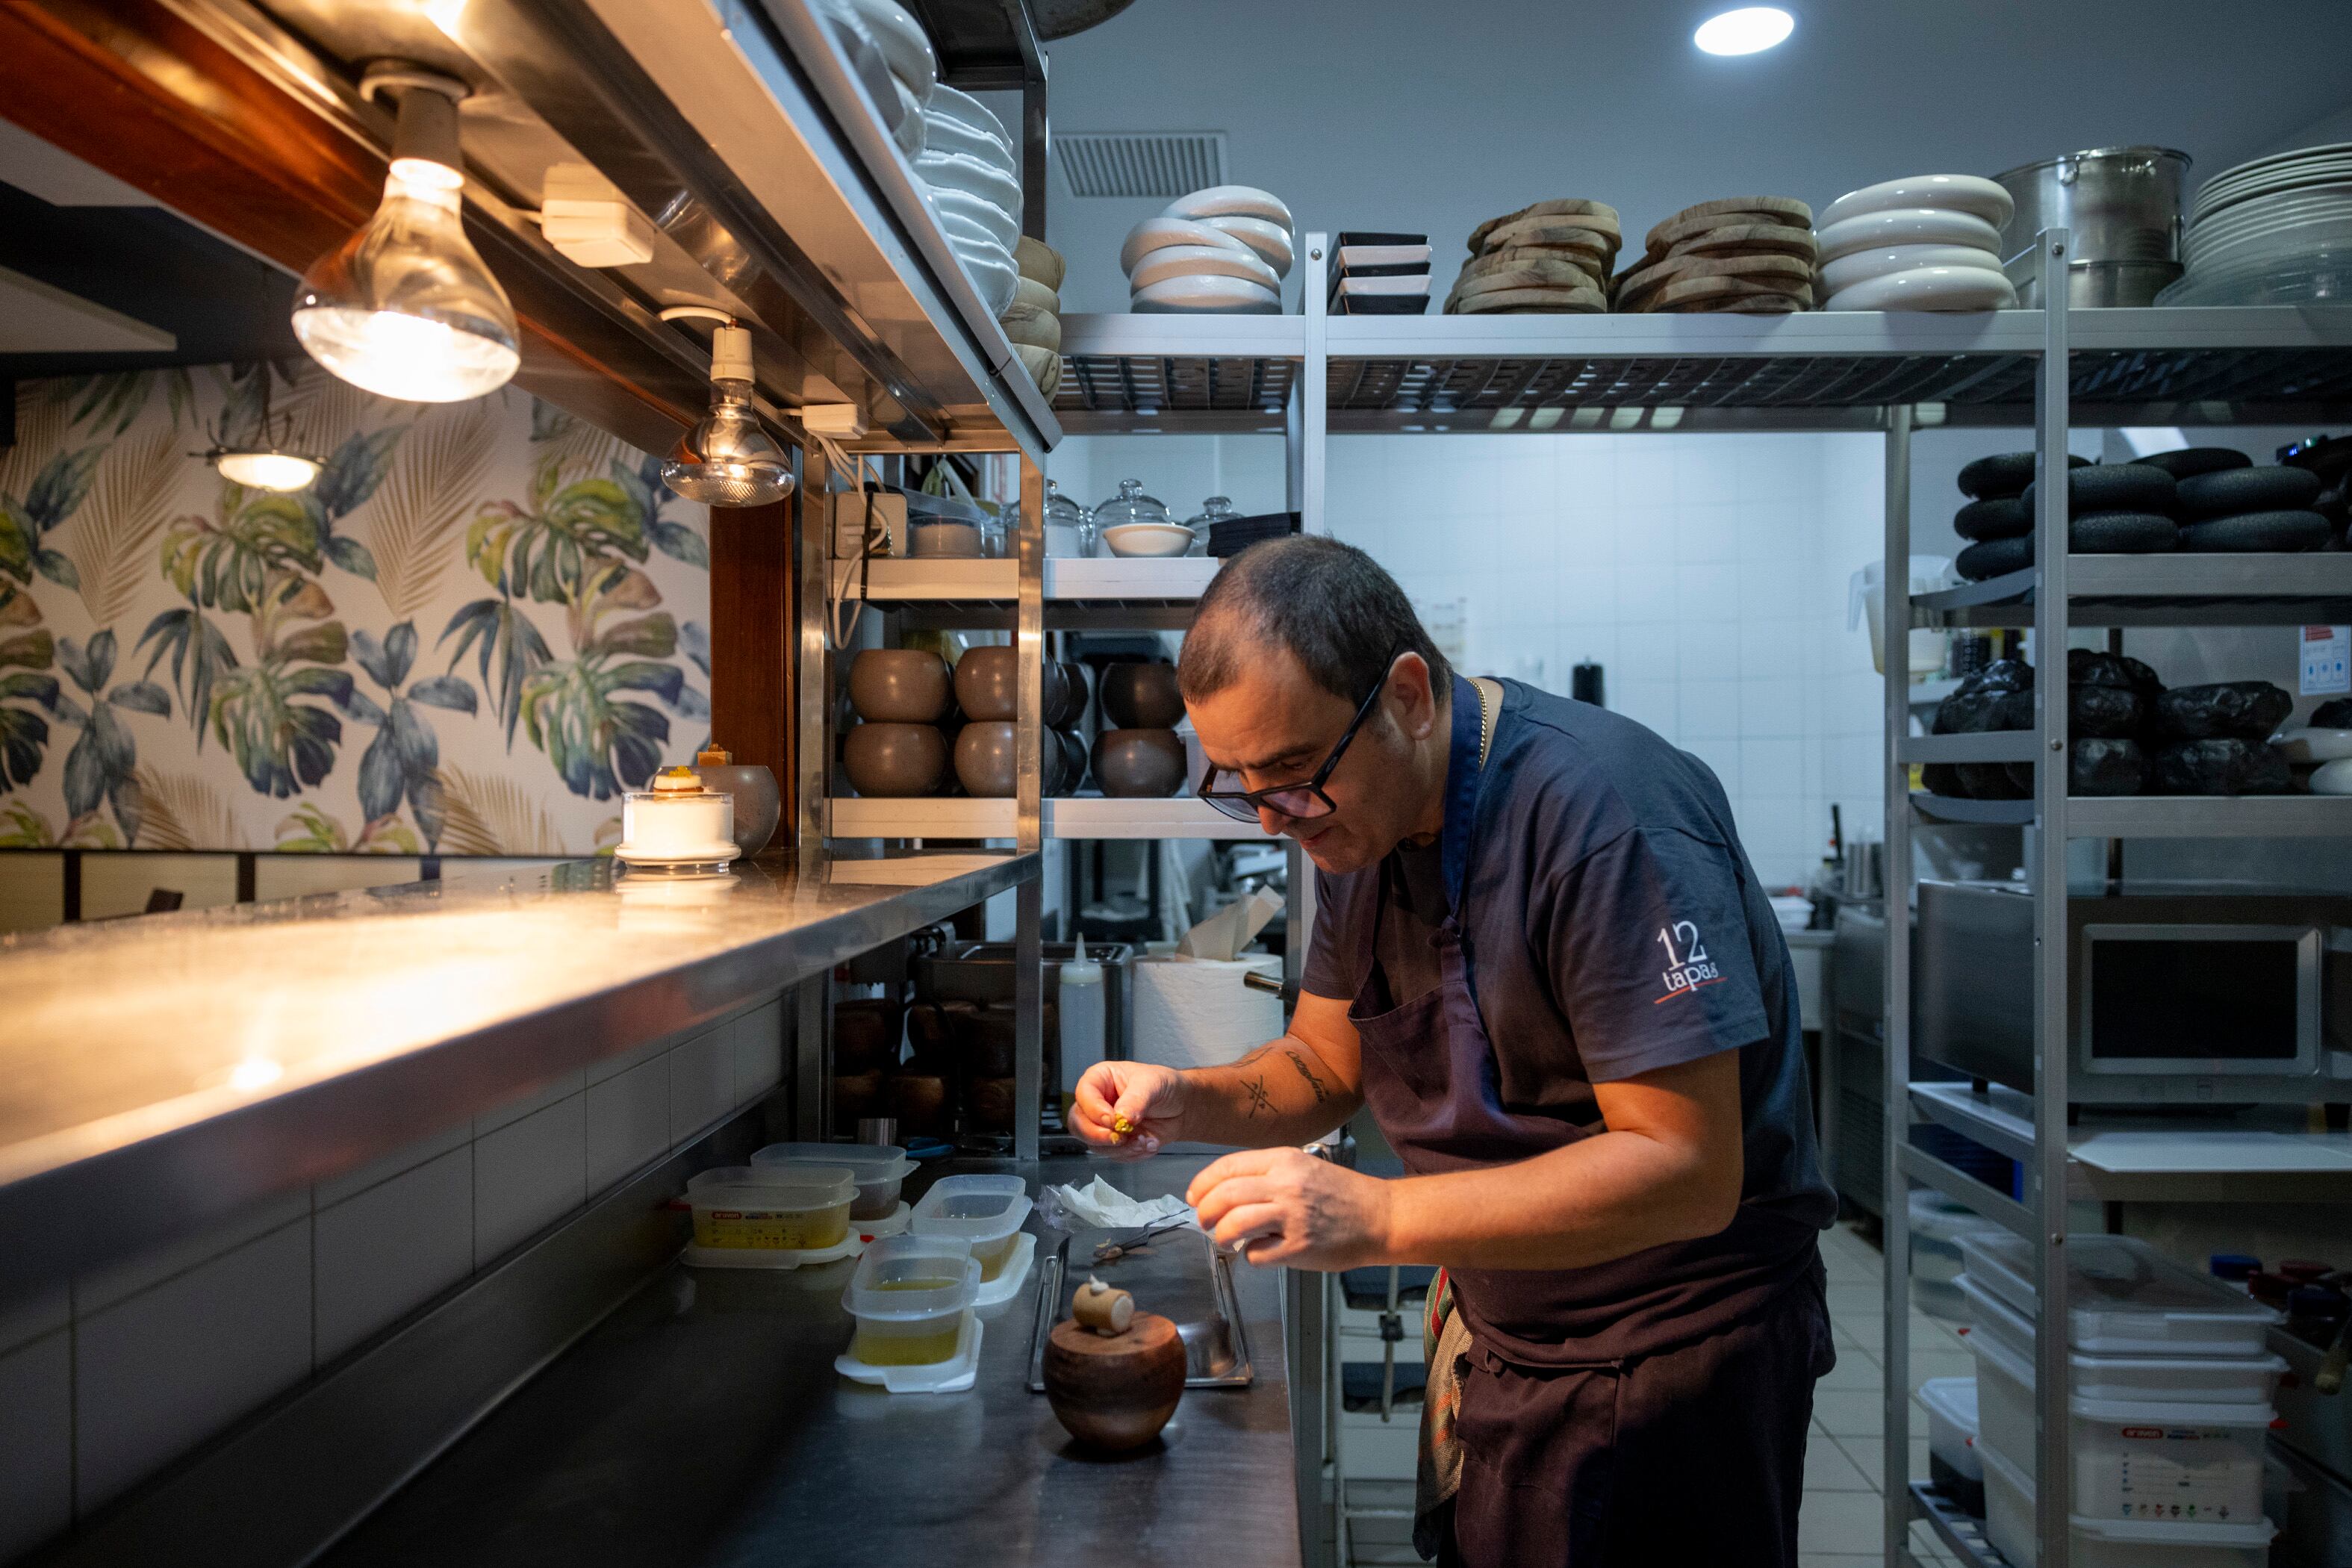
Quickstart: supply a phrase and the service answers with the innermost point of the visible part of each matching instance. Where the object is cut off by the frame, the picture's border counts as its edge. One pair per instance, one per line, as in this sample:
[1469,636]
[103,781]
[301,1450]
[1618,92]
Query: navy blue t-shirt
[1615,927]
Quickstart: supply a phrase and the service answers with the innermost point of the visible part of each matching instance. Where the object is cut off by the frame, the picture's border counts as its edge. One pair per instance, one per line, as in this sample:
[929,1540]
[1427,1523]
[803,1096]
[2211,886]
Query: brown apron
[1584,1448]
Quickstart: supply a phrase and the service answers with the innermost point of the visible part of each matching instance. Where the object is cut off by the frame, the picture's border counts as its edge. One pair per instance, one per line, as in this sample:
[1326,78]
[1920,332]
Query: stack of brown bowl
[1139,754]
[866,1034]
[1552,257]
[987,687]
[1034,319]
[1750,254]
[902,695]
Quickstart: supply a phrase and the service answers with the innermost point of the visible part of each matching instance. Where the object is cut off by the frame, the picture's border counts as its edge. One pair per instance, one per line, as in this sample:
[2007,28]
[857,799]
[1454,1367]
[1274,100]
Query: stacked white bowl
[1226,248]
[883,29]
[969,165]
[1931,242]
[2276,231]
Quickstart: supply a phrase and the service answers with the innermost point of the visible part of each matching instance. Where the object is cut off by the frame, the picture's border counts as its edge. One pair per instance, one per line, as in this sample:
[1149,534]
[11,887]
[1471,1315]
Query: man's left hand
[1281,1206]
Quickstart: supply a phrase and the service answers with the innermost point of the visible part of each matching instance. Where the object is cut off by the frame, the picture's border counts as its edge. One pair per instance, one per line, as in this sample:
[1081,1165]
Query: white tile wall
[103,1383]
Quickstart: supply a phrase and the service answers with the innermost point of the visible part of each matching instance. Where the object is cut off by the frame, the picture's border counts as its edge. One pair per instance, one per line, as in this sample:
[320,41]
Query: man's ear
[1409,689]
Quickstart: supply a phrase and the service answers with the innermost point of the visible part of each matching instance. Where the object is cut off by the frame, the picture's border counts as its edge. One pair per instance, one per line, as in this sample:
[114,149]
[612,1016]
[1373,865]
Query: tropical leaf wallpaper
[479,625]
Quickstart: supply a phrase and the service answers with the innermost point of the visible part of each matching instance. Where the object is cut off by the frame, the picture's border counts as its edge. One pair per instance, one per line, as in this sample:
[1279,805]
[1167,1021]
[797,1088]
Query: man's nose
[1273,821]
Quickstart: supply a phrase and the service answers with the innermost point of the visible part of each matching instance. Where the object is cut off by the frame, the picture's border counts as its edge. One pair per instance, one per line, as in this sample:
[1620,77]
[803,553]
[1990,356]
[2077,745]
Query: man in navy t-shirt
[1543,963]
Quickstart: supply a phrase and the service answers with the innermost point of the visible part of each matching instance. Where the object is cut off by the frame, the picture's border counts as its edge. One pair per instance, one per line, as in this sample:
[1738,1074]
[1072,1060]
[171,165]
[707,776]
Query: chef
[1543,963]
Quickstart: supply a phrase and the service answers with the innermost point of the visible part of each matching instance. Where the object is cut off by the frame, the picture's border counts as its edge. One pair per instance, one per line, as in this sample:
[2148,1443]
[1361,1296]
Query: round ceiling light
[1746,31]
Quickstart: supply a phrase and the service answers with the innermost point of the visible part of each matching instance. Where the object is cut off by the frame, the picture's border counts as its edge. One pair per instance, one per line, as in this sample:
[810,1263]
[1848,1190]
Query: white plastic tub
[1951,1404]
[2135,1460]
[2114,1543]
[797,1208]
[983,1211]
[2124,1298]
[2174,1379]
[879,1170]
[909,1296]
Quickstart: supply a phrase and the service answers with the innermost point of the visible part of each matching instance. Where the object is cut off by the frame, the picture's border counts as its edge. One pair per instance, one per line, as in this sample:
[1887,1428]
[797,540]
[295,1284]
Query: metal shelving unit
[2090,367]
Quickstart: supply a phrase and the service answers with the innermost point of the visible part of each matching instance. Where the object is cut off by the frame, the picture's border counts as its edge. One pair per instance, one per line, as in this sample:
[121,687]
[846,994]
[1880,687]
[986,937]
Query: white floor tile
[1827,1469]
[1849,1521]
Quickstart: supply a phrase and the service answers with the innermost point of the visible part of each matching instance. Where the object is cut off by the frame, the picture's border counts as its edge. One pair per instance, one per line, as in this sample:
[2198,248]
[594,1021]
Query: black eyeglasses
[1221,787]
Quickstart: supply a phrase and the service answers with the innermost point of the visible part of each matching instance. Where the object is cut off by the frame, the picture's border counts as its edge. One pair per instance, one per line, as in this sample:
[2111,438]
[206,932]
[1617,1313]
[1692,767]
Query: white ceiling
[1410,114]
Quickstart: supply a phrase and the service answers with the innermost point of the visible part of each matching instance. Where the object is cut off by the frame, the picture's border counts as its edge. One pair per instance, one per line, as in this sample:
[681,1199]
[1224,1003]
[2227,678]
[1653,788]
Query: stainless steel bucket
[2123,206]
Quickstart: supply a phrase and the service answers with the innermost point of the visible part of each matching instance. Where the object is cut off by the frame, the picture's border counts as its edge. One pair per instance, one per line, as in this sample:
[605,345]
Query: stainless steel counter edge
[85,1188]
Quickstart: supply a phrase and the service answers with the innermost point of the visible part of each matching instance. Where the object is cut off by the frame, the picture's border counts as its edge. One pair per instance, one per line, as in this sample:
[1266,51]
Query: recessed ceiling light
[1745,31]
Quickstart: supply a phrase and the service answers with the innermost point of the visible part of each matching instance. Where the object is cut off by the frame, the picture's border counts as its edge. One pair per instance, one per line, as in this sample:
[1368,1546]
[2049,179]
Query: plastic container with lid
[2124,1298]
[2233,1269]
[1069,528]
[1951,1404]
[909,1296]
[983,1211]
[2181,1379]
[2114,1543]
[678,825]
[795,1208]
[877,1168]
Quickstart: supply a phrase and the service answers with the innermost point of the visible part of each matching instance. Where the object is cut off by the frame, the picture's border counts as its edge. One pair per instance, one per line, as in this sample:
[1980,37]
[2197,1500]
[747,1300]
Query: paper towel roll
[1192,1013]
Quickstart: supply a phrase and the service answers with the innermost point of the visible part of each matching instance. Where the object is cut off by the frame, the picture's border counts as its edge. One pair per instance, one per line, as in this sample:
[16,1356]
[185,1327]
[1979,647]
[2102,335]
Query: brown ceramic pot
[1114,1392]
[920,1101]
[855,1096]
[1141,697]
[1072,706]
[1073,759]
[986,760]
[894,760]
[898,686]
[865,1034]
[987,685]
[1139,764]
[990,1104]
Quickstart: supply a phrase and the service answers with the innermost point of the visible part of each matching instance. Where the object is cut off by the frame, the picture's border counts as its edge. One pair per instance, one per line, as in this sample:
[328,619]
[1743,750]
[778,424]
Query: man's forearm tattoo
[1258,1100]
[1321,1094]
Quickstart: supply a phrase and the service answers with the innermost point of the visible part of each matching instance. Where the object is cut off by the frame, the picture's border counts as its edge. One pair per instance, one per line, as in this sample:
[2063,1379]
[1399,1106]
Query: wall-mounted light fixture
[404,306]
[725,459]
[262,458]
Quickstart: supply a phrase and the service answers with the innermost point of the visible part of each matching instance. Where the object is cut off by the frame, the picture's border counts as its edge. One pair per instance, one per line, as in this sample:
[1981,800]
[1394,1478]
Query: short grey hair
[1341,615]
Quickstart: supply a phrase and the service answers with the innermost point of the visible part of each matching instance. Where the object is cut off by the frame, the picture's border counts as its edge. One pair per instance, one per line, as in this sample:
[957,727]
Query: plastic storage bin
[1936,1224]
[797,1208]
[2114,1543]
[1951,1404]
[2124,1297]
[2135,1460]
[909,1295]
[2177,1379]
[983,1211]
[879,1170]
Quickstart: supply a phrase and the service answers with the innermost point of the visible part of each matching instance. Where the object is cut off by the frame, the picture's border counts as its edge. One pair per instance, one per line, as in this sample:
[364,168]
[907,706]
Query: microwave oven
[2175,996]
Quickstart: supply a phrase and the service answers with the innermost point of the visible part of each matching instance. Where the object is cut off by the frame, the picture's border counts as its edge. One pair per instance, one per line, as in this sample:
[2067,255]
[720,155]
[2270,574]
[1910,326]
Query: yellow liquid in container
[881,1345]
[795,1230]
[912,1285]
[992,1256]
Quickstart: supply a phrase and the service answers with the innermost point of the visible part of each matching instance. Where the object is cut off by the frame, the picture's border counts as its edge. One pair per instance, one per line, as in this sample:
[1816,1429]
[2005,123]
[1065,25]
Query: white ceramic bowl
[1863,264]
[945,133]
[1230,201]
[2332,778]
[954,172]
[1206,291]
[1159,233]
[984,214]
[1928,288]
[1196,260]
[906,49]
[1906,226]
[1271,241]
[1953,193]
[2309,745]
[964,109]
[1147,539]
[992,273]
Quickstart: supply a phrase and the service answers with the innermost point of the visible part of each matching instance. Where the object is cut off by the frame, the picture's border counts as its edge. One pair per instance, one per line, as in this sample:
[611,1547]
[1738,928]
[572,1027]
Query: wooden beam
[752,634]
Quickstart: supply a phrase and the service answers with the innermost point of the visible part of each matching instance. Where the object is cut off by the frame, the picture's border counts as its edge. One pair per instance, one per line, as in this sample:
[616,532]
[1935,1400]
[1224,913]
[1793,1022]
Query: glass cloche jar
[1070,527]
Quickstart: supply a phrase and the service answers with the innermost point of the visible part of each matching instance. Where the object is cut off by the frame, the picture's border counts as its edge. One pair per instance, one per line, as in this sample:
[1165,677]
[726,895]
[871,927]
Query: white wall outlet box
[587,219]
[841,421]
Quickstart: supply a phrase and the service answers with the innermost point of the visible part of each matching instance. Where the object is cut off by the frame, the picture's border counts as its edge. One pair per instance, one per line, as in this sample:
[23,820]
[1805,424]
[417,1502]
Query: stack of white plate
[1225,248]
[2272,232]
[969,165]
[881,33]
[1931,242]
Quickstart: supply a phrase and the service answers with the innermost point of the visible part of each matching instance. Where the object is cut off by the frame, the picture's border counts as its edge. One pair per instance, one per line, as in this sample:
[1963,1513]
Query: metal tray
[1179,1275]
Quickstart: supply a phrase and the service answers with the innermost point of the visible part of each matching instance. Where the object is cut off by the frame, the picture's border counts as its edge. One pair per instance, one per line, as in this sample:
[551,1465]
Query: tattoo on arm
[1258,1100]
[1321,1094]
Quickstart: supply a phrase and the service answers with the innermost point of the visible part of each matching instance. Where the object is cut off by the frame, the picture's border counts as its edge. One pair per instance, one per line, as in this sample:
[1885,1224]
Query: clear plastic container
[909,1295]
[1951,1404]
[2114,1543]
[983,1211]
[797,1208]
[879,1168]
[2177,1379]
[2124,1297]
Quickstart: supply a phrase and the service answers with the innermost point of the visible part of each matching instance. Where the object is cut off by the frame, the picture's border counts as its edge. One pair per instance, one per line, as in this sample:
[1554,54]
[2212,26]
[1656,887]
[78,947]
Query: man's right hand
[1147,1097]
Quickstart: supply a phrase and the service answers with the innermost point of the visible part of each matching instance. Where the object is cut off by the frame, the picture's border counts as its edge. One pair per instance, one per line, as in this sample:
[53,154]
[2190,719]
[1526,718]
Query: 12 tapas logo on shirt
[1688,965]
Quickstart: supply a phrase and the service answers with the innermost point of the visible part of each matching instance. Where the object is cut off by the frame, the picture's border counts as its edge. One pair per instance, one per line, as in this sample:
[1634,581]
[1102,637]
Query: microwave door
[2200,1001]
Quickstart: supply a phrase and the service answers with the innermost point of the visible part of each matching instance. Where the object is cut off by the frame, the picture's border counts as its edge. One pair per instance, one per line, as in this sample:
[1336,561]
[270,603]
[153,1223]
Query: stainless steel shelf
[1962,1532]
[1179,374]
[2173,589]
[1066,816]
[2159,815]
[1107,581]
[1997,746]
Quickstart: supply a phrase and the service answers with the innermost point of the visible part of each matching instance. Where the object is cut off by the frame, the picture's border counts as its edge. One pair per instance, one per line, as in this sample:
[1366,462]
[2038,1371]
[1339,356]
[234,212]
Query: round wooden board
[1667,238]
[1786,209]
[1584,302]
[1602,216]
[1528,269]
[1643,281]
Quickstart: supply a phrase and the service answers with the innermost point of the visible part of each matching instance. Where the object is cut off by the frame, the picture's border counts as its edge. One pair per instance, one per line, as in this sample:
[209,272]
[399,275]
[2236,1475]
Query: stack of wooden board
[1751,253]
[1554,256]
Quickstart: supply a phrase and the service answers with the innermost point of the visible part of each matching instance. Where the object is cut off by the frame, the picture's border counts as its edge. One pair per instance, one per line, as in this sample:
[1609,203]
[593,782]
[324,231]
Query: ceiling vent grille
[1164,163]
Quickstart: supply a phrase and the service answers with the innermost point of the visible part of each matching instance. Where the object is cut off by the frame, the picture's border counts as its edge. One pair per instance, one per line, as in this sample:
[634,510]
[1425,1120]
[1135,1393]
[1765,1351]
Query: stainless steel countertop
[160,1072]
[702,1426]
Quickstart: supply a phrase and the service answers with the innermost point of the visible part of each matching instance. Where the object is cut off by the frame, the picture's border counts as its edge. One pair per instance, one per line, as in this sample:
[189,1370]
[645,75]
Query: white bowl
[1928,288]
[2309,745]
[1271,241]
[992,273]
[1906,226]
[1159,233]
[954,172]
[1206,291]
[1196,260]
[1230,201]
[966,109]
[1147,539]
[986,215]
[1863,264]
[905,47]
[2332,778]
[945,133]
[1952,192]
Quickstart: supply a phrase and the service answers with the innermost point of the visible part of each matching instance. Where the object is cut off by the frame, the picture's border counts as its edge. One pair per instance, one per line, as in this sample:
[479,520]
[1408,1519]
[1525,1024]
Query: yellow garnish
[1121,1125]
